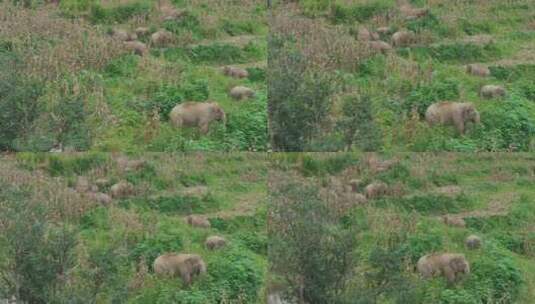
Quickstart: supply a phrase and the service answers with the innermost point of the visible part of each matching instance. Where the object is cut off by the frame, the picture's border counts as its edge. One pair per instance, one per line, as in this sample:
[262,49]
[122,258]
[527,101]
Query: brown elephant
[162,38]
[473,242]
[452,113]
[215,242]
[122,189]
[198,221]
[235,72]
[241,92]
[187,266]
[403,38]
[450,265]
[197,114]
[137,47]
[492,91]
[478,70]
[380,46]
[454,221]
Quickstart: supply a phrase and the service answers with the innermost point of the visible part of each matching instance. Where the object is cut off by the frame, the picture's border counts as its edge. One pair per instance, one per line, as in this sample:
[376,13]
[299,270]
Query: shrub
[196,90]
[124,66]
[19,106]
[256,74]
[165,99]
[307,245]
[426,94]
[509,123]
[165,240]
[36,254]
[357,123]
[247,129]
[494,279]
[234,275]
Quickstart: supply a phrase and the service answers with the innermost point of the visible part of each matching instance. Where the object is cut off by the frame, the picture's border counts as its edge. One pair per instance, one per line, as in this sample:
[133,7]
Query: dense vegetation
[67,82]
[58,245]
[320,75]
[326,248]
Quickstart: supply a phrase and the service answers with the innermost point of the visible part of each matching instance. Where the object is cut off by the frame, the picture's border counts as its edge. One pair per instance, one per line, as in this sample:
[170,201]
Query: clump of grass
[118,14]
[455,53]
[429,204]
[311,166]
[357,12]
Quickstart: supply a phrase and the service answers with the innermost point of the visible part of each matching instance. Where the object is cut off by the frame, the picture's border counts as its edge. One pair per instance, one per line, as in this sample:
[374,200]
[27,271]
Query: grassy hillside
[69,82]
[348,95]
[336,250]
[60,245]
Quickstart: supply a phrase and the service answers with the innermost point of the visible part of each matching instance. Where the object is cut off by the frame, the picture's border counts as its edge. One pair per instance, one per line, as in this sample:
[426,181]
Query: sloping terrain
[371,90]
[71,82]
[70,234]
[367,240]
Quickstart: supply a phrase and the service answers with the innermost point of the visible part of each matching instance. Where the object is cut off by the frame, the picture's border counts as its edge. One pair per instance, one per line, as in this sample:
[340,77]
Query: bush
[247,129]
[308,245]
[494,279]
[507,125]
[357,124]
[124,66]
[256,74]
[36,254]
[166,239]
[19,106]
[426,94]
[234,275]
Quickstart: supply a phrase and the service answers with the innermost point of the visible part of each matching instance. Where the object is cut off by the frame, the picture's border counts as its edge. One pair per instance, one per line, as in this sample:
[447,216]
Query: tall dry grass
[51,46]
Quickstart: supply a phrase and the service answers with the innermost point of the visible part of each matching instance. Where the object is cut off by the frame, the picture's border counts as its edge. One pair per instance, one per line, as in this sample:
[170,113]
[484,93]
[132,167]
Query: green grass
[120,239]
[496,202]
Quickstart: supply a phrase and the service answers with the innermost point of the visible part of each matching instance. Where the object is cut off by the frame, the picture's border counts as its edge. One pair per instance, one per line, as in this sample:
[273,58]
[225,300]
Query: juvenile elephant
[198,221]
[197,114]
[452,113]
[241,92]
[403,38]
[235,72]
[450,265]
[478,70]
[215,242]
[492,91]
[187,266]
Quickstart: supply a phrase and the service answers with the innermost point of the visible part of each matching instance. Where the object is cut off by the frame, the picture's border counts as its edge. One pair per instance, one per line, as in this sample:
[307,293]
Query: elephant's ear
[468,109]
[457,263]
